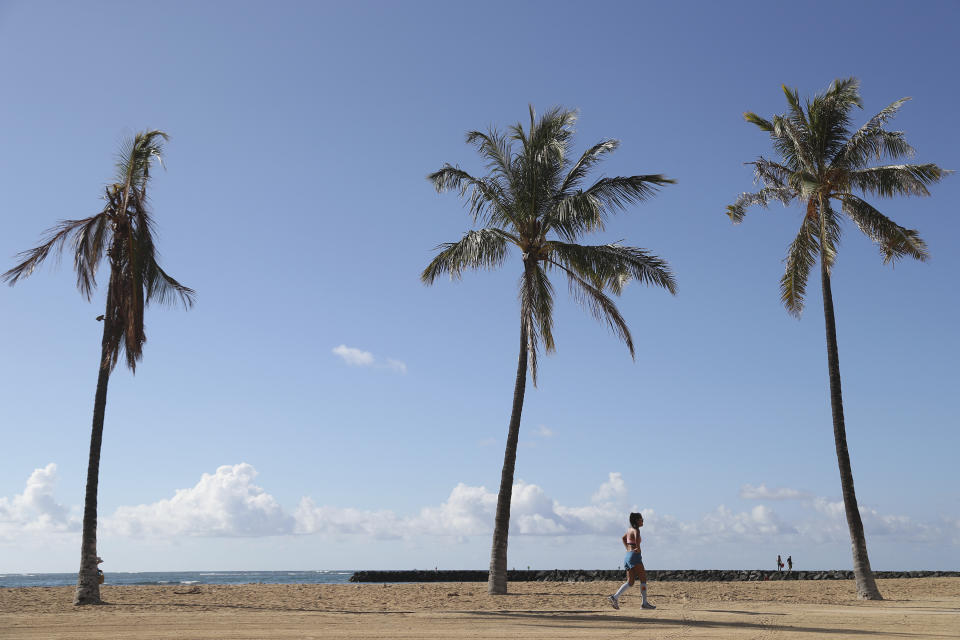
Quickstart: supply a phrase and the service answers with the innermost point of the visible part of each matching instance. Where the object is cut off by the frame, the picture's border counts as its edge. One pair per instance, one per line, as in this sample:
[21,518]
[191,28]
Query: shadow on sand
[589,619]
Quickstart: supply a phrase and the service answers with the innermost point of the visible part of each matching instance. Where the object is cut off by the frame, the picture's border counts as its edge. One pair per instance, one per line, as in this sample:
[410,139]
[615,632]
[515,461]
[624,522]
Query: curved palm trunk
[88,585]
[497,580]
[866,585]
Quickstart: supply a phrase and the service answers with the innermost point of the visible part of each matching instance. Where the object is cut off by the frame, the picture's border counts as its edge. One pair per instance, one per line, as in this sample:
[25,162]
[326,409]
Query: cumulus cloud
[719,526]
[470,511]
[832,526]
[225,503]
[360,358]
[467,511]
[228,503]
[761,492]
[613,490]
[35,510]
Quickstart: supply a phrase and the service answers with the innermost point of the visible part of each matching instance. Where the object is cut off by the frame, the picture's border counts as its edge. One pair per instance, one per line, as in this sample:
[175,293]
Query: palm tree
[822,162]
[123,232]
[525,198]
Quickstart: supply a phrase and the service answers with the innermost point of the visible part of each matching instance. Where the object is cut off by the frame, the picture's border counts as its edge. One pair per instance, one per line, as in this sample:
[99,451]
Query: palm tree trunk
[866,585]
[497,580]
[88,585]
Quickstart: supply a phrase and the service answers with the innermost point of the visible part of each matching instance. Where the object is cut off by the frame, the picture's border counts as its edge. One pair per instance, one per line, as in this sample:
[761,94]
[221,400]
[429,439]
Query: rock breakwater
[653,575]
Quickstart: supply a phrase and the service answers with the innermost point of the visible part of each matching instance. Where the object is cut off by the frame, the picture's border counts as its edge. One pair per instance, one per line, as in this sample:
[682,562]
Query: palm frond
[495,147]
[488,200]
[613,265]
[893,240]
[897,179]
[844,93]
[738,210]
[801,256]
[90,244]
[165,290]
[600,306]
[477,249]
[753,118]
[830,121]
[550,135]
[796,109]
[872,141]
[53,240]
[771,174]
[792,141]
[584,211]
[157,285]
[617,193]
[136,155]
[536,311]
[829,236]
[587,161]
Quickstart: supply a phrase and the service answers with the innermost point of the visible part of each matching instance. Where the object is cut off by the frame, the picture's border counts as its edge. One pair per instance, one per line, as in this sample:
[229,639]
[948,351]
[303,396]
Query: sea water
[181,577]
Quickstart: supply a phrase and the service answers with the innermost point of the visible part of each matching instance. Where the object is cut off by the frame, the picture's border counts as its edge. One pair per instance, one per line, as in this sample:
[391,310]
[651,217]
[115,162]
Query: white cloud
[360,358]
[35,510]
[613,490]
[832,526]
[228,503]
[761,492]
[467,511]
[543,431]
[719,526]
[225,503]
[470,511]
[354,357]
[309,518]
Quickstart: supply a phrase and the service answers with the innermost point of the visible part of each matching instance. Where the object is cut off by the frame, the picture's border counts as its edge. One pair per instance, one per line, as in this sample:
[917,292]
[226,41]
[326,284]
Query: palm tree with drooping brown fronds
[533,200]
[822,163]
[123,233]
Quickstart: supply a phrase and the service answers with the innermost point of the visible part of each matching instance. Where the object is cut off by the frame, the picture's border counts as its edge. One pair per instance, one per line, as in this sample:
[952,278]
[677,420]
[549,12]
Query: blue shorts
[632,559]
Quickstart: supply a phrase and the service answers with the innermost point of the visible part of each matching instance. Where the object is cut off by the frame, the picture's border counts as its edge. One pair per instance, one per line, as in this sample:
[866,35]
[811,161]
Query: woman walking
[633,563]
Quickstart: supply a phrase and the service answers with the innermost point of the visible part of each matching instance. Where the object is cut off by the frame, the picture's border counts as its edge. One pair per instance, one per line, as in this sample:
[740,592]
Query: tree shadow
[584,617]
[741,613]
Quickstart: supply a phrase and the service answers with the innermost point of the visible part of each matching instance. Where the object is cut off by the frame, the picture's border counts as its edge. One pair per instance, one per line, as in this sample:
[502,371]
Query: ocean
[180,577]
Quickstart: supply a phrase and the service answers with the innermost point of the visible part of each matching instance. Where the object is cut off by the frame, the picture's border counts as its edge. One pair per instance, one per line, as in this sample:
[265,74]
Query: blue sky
[321,408]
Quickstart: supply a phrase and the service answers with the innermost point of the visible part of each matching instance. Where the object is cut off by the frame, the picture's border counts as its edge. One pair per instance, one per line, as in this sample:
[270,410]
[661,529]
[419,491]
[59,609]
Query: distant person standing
[633,563]
[789,563]
[779,563]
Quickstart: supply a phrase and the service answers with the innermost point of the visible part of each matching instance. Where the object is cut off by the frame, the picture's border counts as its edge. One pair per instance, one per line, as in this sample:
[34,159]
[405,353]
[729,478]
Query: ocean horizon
[320,576]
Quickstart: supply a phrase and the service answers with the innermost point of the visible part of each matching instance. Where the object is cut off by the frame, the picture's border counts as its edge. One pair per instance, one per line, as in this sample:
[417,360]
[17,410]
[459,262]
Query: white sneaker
[613,602]
[647,605]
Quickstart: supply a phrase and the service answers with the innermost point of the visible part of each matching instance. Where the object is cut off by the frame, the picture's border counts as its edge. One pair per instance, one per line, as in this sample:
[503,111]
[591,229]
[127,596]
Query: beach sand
[914,608]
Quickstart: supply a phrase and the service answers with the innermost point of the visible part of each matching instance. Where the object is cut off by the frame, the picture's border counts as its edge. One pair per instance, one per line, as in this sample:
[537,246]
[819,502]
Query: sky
[320,408]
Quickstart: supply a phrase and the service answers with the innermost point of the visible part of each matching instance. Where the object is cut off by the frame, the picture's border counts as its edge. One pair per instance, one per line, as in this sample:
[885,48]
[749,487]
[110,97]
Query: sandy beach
[914,608]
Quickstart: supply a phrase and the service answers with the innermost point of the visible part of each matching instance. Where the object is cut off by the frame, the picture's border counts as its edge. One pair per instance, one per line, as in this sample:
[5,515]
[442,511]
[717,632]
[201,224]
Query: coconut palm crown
[123,233]
[537,192]
[533,198]
[822,163]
